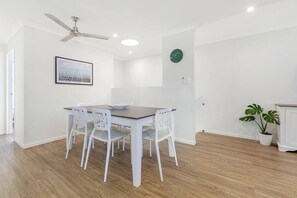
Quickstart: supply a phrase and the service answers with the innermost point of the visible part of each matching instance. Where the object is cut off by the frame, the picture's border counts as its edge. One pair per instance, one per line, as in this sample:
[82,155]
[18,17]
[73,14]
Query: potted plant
[254,113]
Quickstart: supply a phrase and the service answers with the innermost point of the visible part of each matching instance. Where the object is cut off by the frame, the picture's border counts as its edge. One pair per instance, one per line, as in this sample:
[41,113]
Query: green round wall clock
[176,55]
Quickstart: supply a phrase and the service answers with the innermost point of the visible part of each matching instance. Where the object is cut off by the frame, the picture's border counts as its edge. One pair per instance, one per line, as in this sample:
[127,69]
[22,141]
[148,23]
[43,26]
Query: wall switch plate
[189,80]
[183,80]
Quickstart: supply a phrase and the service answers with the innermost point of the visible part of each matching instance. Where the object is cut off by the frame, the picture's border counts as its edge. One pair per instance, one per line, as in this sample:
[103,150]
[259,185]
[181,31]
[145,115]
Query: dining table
[134,117]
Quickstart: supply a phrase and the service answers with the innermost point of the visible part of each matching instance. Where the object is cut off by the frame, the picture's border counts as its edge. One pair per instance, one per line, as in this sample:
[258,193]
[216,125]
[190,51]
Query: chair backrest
[102,119]
[80,117]
[163,120]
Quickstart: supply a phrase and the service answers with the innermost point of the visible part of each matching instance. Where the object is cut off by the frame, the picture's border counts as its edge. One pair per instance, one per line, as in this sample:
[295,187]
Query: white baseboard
[190,142]
[19,143]
[284,148]
[232,134]
[25,146]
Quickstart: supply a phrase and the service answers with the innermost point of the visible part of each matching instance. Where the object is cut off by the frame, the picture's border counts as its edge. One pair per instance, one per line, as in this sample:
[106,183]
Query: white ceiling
[144,20]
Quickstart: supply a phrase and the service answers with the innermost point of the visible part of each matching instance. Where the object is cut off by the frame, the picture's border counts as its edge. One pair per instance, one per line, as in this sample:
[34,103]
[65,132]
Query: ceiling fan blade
[94,36]
[58,21]
[67,38]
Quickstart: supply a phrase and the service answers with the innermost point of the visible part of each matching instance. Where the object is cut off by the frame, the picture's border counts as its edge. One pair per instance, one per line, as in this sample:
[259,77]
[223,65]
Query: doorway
[10,92]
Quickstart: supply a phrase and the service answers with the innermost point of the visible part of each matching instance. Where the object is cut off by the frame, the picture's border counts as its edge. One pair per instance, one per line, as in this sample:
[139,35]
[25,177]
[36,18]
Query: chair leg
[150,149]
[131,150]
[174,151]
[159,161]
[69,144]
[118,144]
[124,142]
[84,150]
[107,161]
[74,137]
[93,144]
[88,152]
[142,150]
[112,149]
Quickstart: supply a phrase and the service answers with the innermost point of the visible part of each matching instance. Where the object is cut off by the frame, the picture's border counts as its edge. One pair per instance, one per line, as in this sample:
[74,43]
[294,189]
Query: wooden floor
[218,166]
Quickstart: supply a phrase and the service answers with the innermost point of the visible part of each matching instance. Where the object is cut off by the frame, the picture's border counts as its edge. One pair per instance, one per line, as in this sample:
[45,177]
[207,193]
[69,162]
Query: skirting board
[19,143]
[231,134]
[25,146]
[190,142]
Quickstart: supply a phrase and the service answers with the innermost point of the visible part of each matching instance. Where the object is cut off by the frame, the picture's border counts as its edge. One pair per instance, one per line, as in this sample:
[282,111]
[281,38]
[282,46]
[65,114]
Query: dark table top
[132,112]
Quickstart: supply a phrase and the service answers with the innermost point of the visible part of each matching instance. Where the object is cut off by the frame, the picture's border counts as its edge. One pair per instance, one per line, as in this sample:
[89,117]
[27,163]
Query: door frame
[10,74]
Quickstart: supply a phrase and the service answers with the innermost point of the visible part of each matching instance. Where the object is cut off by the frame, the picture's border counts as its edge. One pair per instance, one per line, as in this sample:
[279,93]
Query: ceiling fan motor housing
[74,18]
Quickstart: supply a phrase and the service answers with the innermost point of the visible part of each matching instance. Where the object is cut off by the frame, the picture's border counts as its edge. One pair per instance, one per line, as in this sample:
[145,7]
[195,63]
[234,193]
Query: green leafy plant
[254,113]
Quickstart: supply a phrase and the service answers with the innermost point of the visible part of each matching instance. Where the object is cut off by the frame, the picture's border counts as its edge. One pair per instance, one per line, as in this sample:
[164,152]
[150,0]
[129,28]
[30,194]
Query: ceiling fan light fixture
[130,42]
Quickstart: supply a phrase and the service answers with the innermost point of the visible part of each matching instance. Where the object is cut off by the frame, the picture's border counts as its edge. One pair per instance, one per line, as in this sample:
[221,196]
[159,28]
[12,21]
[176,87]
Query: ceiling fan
[74,32]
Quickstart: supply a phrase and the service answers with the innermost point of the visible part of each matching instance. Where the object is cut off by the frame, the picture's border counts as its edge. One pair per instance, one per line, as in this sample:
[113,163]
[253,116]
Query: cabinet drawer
[291,127]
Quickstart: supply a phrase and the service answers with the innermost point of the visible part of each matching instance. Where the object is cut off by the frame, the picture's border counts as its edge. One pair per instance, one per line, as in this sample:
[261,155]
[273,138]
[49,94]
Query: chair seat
[150,134]
[90,128]
[114,135]
[147,127]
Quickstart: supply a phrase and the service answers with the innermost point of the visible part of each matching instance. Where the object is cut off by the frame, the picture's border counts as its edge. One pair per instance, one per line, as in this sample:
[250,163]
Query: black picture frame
[75,67]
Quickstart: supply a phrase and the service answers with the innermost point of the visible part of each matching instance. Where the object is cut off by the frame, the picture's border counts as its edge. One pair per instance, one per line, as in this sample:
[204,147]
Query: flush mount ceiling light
[115,35]
[250,9]
[130,52]
[130,42]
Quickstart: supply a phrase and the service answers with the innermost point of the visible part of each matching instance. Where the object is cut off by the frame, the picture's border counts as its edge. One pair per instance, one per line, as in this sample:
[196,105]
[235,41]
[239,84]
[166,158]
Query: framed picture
[74,72]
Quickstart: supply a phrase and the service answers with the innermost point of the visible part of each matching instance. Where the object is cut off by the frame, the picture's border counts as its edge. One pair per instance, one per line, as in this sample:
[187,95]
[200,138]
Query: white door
[10,92]
[291,127]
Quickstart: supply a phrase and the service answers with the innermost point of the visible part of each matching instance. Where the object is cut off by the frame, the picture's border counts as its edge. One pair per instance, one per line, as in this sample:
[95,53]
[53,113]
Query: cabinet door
[291,127]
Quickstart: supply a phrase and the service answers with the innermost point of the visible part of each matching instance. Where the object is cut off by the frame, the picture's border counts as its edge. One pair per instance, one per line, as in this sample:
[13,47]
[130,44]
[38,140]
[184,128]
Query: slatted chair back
[163,120]
[102,119]
[80,117]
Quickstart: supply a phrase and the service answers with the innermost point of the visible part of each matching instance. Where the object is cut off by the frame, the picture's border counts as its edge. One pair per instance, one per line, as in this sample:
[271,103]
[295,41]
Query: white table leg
[136,141]
[69,121]
[171,153]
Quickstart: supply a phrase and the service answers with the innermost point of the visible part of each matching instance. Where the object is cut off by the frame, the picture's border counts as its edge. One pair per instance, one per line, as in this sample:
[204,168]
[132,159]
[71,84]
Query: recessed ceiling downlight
[130,42]
[250,9]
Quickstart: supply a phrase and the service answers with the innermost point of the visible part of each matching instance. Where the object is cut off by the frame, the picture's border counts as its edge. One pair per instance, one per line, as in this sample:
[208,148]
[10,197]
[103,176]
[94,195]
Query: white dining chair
[149,125]
[160,132]
[126,130]
[80,126]
[104,132]
[83,104]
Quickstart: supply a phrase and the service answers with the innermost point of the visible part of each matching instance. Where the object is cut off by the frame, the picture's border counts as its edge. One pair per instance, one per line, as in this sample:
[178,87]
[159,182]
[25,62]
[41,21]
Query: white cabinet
[287,131]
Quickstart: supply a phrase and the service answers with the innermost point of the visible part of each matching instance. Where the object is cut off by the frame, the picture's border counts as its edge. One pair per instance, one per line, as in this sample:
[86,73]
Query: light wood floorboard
[218,166]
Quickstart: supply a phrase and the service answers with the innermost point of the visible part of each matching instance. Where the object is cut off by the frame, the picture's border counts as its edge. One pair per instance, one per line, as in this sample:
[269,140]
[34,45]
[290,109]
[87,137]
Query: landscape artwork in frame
[74,72]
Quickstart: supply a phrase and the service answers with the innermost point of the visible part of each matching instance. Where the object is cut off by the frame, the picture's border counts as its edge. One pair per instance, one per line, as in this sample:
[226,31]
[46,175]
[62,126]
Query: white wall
[118,76]
[44,116]
[2,90]
[141,72]
[172,94]
[182,96]
[234,73]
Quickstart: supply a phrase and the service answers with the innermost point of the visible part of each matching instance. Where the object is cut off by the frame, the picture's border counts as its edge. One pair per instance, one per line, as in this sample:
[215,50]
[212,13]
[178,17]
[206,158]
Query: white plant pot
[265,139]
